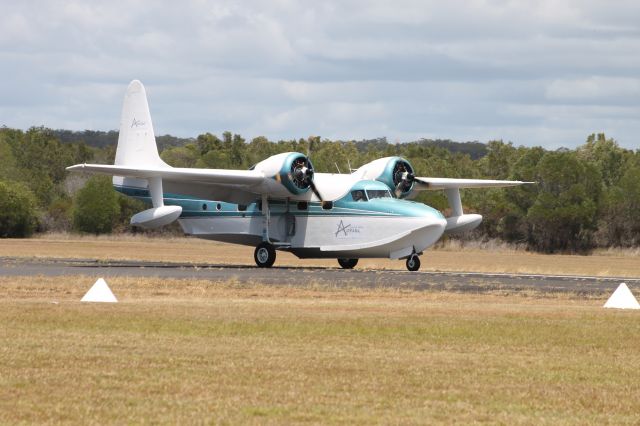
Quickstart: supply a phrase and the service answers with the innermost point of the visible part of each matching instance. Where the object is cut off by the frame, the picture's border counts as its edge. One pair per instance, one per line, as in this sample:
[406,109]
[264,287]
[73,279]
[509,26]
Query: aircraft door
[290,225]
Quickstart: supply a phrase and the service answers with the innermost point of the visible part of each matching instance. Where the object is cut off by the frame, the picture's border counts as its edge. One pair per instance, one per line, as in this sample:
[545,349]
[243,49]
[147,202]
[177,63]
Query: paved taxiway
[453,281]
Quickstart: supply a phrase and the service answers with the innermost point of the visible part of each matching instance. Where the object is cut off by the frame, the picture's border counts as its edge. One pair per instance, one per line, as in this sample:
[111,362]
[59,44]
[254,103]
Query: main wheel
[413,263]
[264,255]
[348,263]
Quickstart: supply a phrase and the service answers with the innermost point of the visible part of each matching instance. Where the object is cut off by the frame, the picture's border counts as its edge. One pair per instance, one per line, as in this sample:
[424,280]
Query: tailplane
[136,141]
[137,148]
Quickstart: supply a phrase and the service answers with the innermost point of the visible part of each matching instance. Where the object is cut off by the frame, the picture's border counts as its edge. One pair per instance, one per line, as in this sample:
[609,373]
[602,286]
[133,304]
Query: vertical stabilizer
[136,141]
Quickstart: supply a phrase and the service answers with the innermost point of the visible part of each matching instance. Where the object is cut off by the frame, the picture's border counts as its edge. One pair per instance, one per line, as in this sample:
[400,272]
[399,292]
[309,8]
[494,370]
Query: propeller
[404,183]
[315,190]
[302,175]
[403,177]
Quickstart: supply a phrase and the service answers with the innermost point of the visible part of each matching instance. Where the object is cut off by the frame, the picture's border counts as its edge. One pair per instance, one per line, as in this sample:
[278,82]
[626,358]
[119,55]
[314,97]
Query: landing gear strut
[265,255]
[413,262]
[348,263]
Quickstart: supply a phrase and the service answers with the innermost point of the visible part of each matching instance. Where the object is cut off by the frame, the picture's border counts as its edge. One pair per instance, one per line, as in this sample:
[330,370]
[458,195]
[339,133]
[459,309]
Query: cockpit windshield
[378,193]
[359,195]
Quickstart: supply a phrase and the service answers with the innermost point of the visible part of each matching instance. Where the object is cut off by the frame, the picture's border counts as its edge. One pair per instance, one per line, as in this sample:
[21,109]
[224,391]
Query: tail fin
[136,141]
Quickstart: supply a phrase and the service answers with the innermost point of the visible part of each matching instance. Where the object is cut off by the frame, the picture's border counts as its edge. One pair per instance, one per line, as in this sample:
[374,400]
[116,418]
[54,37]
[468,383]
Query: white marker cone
[622,298]
[99,292]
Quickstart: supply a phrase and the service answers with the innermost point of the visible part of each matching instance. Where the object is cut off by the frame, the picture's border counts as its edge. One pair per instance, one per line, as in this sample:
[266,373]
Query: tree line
[585,198]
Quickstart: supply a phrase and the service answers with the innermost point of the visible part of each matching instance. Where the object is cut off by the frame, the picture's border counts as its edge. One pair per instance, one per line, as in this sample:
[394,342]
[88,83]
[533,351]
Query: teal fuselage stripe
[193,207]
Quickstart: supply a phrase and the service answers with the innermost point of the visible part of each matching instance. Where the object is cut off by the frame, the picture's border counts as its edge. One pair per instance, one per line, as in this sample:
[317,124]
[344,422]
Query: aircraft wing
[247,178]
[237,186]
[433,184]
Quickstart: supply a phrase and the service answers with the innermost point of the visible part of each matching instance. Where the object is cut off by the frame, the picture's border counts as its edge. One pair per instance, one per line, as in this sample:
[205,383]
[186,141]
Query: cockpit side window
[359,195]
[378,193]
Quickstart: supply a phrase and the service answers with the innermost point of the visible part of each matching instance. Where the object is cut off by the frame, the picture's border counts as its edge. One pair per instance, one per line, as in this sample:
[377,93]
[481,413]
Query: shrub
[17,210]
[96,207]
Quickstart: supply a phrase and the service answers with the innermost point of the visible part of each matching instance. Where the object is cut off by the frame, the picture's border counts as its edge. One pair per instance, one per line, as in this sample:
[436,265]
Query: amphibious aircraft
[281,203]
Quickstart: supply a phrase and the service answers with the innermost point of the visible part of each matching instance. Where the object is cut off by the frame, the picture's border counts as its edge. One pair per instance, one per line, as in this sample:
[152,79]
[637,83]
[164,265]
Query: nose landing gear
[413,262]
[348,263]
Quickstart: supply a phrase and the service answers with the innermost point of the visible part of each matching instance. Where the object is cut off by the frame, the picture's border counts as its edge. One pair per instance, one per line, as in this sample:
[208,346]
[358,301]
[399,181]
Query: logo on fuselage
[346,230]
[137,123]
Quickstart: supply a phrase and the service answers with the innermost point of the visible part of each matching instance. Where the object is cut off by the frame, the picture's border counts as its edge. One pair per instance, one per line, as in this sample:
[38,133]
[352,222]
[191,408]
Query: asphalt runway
[302,276]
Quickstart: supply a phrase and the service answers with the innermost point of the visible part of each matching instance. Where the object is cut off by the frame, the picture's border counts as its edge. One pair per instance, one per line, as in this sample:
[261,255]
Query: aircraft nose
[430,232]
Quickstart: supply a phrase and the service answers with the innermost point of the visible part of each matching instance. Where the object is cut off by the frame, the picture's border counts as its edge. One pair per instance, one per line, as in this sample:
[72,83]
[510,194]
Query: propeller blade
[315,190]
[398,190]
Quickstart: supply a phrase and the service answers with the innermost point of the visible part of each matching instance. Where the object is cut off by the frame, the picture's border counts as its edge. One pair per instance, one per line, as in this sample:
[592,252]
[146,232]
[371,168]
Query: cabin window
[303,205]
[378,193]
[218,206]
[242,207]
[358,195]
[327,205]
[204,206]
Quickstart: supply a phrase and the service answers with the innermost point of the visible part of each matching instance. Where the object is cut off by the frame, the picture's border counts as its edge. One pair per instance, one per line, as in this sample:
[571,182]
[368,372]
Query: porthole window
[204,206]
[327,205]
[218,206]
[302,205]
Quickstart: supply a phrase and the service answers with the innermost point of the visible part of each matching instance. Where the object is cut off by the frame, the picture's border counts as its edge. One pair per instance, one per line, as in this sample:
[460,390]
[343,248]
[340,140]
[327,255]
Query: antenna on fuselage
[339,172]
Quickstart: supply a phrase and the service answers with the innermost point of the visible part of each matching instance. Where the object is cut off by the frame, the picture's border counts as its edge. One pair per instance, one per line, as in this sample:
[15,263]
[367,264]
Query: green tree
[606,155]
[18,217]
[564,214]
[620,222]
[8,167]
[207,142]
[497,163]
[96,207]
[181,156]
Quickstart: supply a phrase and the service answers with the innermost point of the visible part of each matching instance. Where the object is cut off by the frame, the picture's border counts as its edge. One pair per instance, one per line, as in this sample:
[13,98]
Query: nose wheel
[413,263]
[265,255]
[348,263]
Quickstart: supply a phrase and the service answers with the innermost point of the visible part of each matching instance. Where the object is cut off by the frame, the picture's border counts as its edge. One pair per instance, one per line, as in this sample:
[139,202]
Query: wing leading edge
[246,178]
[433,184]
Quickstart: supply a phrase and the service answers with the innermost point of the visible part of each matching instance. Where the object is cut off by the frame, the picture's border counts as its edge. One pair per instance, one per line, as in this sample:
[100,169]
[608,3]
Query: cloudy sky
[545,72]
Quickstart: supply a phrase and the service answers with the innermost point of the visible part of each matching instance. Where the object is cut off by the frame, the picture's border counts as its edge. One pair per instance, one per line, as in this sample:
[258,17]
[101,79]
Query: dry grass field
[450,258]
[186,351]
[196,351]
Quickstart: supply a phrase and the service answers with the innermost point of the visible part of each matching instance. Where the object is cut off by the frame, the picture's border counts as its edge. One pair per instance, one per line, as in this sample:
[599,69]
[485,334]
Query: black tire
[348,263]
[413,263]
[264,255]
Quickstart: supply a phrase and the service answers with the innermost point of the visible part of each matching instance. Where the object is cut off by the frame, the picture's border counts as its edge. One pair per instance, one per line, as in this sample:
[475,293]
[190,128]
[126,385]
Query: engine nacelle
[292,170]
[395,172]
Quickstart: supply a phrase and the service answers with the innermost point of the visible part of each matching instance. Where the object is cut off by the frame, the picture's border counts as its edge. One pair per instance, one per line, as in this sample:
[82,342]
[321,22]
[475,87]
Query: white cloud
[595,89]
[547,72]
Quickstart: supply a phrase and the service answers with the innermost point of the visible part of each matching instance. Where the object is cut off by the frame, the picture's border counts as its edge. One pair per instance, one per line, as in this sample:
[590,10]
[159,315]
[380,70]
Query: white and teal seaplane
[281,203]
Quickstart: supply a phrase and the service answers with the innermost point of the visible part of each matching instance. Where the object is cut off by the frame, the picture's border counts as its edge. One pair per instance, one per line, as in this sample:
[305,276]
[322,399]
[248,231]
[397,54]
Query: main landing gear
[348,263]
[413,262]
[265,255]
